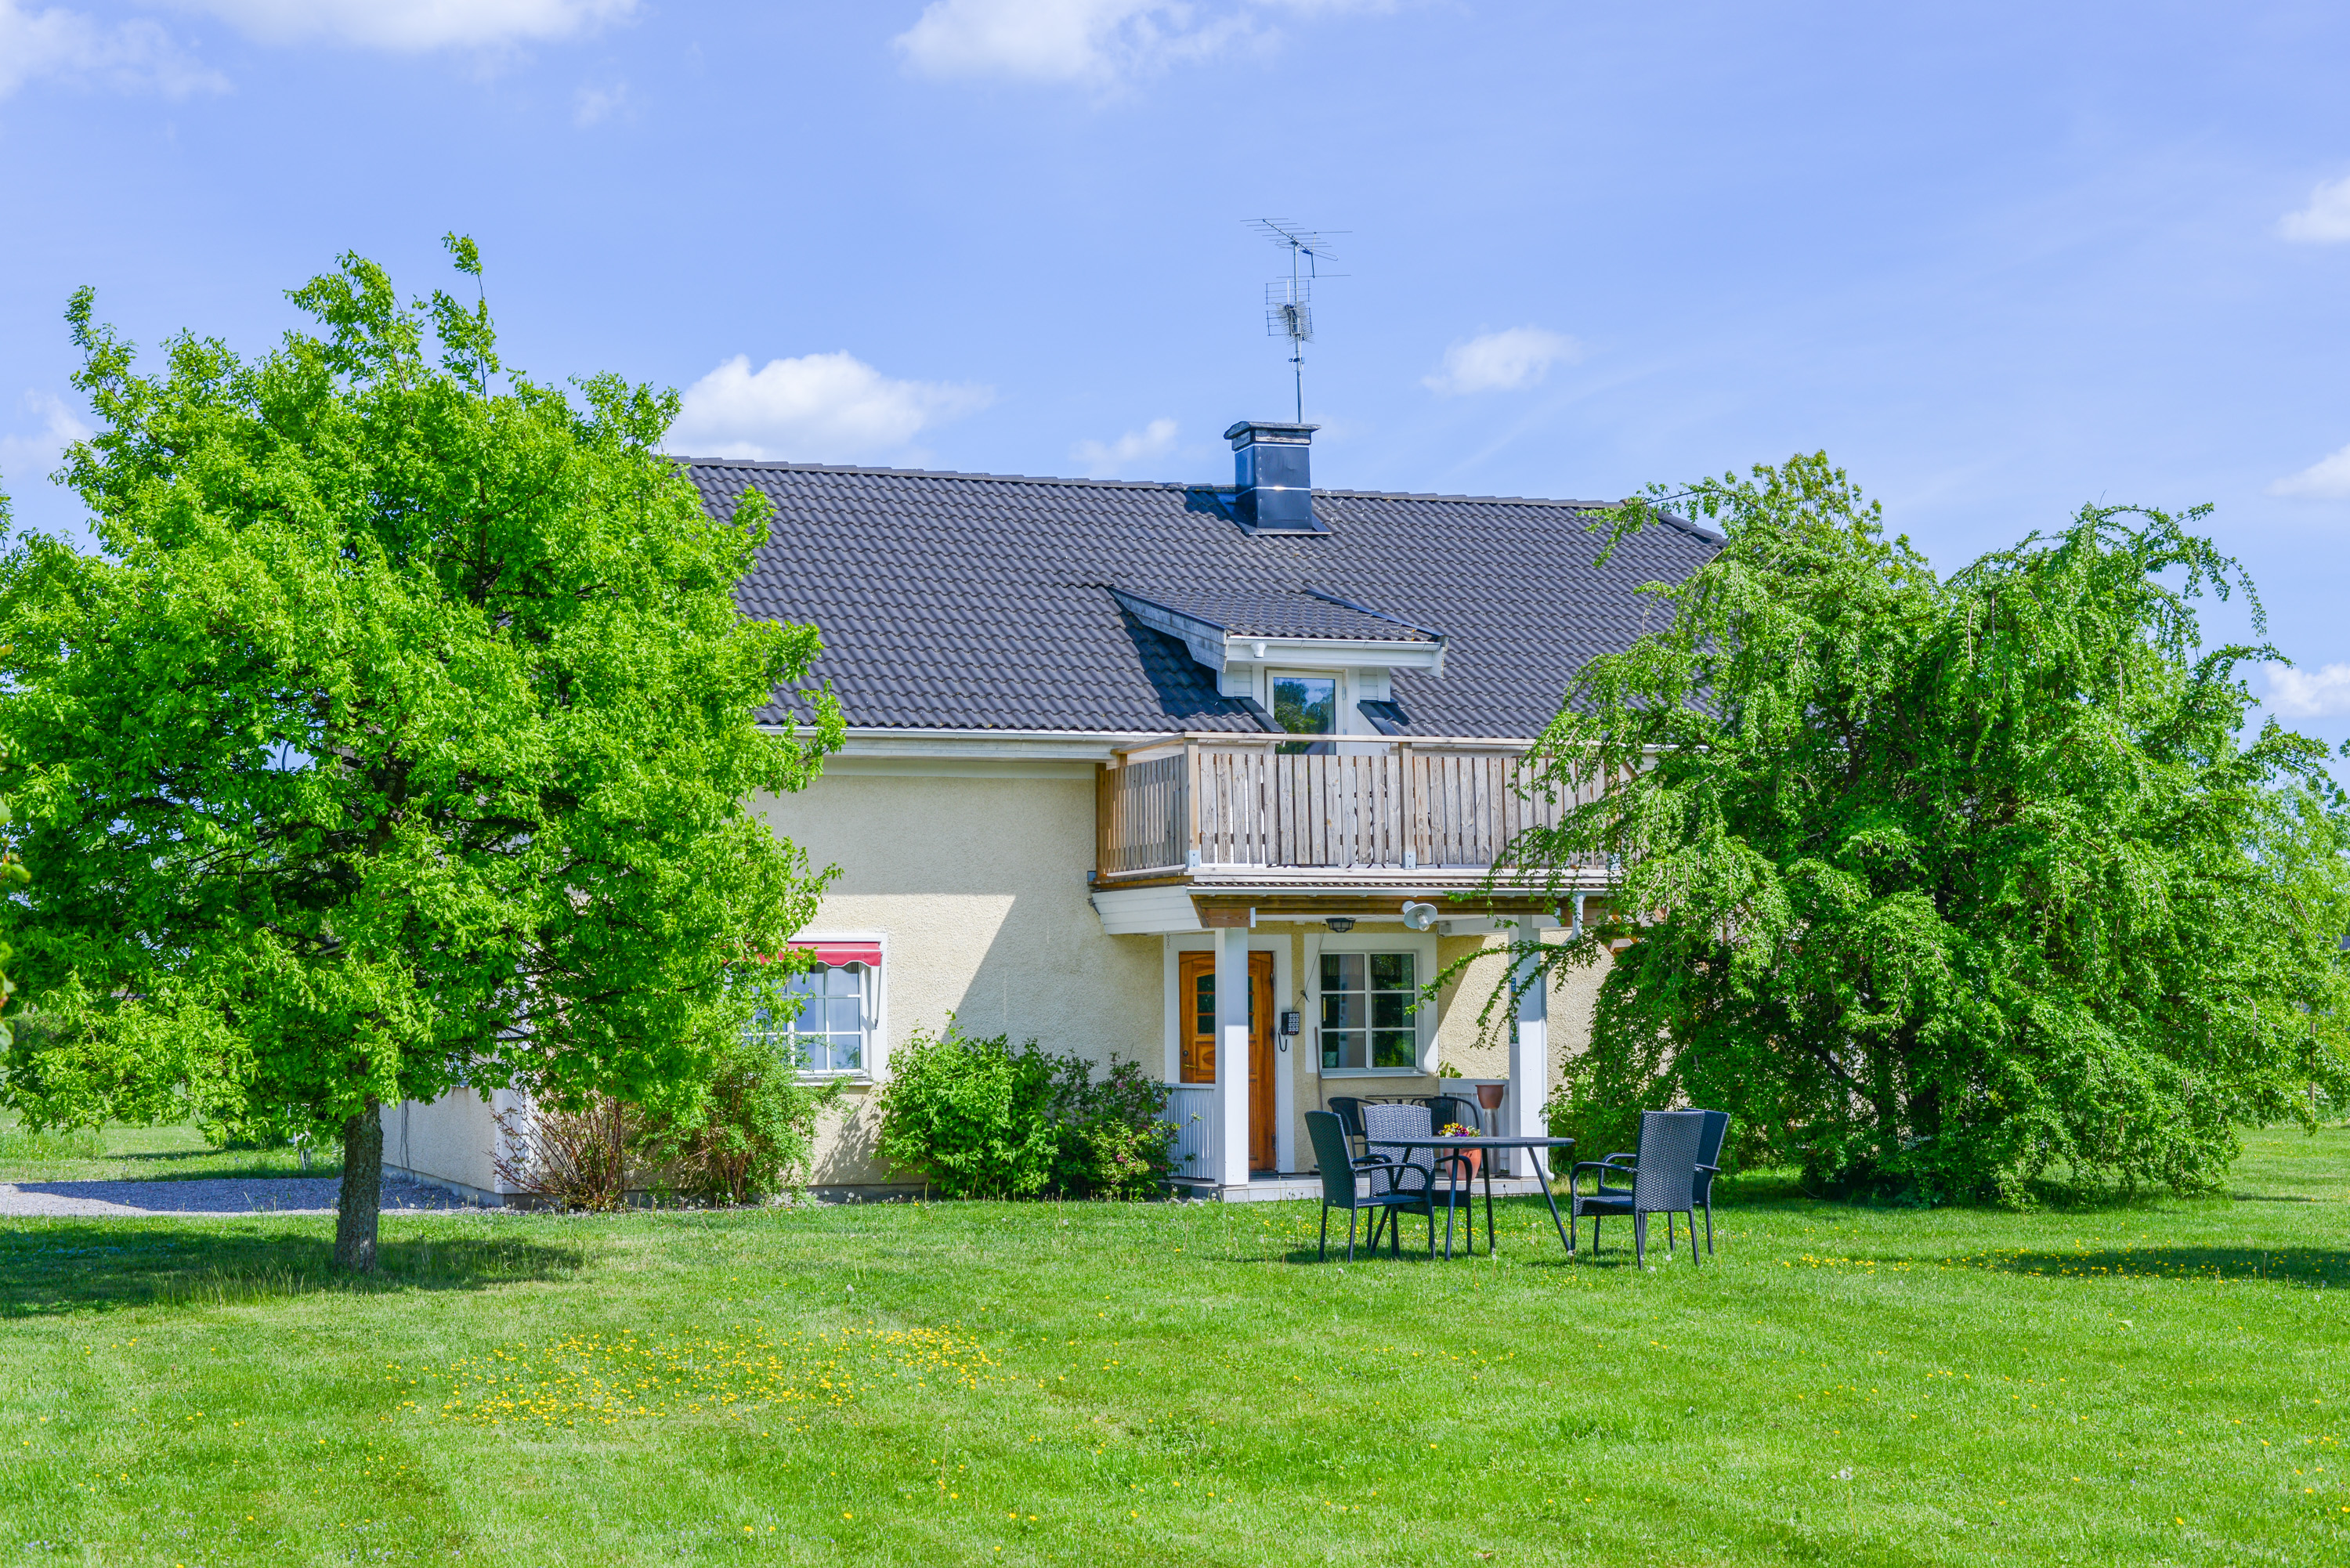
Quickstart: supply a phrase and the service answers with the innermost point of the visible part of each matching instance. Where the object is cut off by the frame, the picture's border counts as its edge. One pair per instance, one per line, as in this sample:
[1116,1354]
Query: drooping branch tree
[398,737]
[1946,887]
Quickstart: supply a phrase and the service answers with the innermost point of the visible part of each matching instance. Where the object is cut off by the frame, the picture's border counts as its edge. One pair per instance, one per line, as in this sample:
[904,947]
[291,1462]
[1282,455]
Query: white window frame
[1422,947]
[1338,692]
[875,1011]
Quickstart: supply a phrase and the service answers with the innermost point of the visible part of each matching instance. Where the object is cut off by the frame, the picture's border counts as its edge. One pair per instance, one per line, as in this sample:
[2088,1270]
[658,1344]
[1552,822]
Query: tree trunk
[362,1191]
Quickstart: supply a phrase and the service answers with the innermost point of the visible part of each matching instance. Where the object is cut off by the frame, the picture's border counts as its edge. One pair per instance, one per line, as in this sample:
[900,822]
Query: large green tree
[1947,886]
[397,737]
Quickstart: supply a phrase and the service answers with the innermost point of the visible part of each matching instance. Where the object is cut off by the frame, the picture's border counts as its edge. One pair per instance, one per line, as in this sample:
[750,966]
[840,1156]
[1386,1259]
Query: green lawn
[119,1153]
[953,1384]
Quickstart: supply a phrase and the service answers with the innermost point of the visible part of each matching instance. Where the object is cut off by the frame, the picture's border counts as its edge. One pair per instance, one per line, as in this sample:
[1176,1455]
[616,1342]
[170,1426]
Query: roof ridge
[877,471]
[937,473]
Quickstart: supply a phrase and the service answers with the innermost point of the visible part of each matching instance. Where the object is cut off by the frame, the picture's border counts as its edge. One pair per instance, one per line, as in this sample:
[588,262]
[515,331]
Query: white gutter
[1037,746]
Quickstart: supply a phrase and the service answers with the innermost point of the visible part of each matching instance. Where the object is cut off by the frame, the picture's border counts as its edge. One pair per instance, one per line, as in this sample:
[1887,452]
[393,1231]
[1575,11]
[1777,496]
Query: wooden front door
[1196,995]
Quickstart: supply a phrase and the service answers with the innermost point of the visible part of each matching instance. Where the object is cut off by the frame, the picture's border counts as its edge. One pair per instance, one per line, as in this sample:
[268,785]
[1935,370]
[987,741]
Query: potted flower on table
[1468,1157]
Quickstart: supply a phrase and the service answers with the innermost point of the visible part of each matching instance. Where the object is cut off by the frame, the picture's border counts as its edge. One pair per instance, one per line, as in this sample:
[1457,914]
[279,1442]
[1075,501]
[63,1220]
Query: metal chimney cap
[1248,431]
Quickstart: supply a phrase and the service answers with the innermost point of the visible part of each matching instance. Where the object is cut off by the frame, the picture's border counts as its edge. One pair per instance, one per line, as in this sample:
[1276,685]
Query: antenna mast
[1289,302]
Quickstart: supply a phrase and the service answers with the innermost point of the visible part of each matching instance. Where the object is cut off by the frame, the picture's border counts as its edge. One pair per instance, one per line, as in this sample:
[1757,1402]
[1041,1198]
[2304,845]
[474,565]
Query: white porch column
[1231,1154]
[1530,1054]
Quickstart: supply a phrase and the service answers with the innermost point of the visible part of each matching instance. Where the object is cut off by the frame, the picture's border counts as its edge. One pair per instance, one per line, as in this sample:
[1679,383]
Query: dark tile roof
[1275,612]
[977,601]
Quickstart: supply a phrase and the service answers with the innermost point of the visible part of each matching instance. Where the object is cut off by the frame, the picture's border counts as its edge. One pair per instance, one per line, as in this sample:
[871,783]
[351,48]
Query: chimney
[1273,466]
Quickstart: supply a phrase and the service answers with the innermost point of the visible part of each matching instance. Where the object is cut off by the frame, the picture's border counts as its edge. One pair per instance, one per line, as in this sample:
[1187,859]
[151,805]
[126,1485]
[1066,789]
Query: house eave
[1215,647]
[992,745]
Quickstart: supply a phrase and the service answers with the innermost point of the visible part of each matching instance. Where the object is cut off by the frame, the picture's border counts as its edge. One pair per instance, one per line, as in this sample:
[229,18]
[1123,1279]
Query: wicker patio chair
[1664,1181]
[1354,1183]
[1709,1165]
[1418,1173]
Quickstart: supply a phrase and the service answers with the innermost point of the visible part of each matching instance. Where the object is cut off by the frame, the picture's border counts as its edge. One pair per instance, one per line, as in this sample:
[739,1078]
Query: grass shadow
[58,1266]
[2314,1267]
[1784,1191]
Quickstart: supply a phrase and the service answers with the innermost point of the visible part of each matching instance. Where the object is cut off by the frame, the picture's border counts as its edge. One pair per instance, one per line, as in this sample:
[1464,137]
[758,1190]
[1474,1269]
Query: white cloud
[32,459]
[415,25]
[818,408]
[1092,41]
[2325,221]
[2309,694]
[2327,479]
[1506,361]
[1111,460]
[594,104]
[136,56]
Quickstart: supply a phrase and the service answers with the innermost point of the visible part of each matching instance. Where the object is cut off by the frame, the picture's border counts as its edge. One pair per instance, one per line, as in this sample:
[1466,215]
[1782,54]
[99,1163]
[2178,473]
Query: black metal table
[1462,1145]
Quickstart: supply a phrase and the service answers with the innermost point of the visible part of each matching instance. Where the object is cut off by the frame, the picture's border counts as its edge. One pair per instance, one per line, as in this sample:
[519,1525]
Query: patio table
[1460,1145]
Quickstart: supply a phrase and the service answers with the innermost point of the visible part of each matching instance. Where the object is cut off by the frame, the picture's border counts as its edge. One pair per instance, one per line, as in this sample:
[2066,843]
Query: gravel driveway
[229,1195]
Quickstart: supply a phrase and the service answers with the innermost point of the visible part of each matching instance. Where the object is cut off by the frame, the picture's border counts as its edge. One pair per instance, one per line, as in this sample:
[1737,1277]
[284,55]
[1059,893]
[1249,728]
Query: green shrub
[745,1134]
[1116,1139]
[979,1119]
[750,1134]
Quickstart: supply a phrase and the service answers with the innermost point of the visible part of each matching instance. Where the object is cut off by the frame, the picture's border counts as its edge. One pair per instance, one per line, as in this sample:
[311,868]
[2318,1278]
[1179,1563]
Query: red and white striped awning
[835,954]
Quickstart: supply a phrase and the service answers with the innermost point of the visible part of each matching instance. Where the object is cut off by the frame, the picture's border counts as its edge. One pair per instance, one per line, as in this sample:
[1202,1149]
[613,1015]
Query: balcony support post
[1191,805]
[1408,829]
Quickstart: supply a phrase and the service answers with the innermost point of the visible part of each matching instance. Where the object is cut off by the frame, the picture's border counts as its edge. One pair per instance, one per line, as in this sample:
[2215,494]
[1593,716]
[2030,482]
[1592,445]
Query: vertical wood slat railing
[1402,806]
[1192,1111]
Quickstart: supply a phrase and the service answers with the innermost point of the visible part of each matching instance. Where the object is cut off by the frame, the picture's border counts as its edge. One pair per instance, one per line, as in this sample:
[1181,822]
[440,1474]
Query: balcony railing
[1203,804]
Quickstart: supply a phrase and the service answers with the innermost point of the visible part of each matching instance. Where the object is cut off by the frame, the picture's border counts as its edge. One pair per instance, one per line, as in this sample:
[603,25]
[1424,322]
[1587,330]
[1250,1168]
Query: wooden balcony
[1372,810]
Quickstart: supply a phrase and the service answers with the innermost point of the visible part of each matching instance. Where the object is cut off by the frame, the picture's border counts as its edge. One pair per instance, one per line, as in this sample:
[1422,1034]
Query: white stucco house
[1191,773]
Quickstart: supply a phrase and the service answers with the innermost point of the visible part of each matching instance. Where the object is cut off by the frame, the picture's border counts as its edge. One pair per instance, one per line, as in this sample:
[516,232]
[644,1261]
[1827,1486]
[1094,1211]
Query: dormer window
[1304,704]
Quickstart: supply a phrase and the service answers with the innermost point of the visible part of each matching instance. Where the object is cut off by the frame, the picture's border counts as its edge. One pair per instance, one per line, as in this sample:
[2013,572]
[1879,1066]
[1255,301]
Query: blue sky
[1998,260]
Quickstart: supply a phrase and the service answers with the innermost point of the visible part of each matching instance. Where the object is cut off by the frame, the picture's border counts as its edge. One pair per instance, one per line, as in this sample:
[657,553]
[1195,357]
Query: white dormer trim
[1216,648]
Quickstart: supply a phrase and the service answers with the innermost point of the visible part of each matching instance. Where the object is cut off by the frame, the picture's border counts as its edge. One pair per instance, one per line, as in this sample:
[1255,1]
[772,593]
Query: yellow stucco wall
[973,874]
[978,878]
[450,1142]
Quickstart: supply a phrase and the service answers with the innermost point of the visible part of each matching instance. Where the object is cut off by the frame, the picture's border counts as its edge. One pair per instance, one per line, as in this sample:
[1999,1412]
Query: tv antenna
[1289,302]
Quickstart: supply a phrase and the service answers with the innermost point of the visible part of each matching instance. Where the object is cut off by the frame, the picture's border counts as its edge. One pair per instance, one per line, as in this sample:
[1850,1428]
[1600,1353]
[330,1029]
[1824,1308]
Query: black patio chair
[1664,1181]
[1450,1110]
[1345,1177]
[1349,1112]
[1419,1174]
[1709,1165]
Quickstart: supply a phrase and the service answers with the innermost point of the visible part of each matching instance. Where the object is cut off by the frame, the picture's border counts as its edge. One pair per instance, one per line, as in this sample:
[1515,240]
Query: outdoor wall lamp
[1420,916]
[1340,924]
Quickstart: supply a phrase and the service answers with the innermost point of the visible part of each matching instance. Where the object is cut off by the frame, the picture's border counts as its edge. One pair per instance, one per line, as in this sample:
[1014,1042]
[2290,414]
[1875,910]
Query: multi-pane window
[1366,1011]
[828,1034]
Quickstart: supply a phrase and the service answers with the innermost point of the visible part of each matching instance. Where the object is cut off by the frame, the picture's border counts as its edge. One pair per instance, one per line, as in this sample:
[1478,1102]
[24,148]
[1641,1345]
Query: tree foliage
[397,737]
[1949,886]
